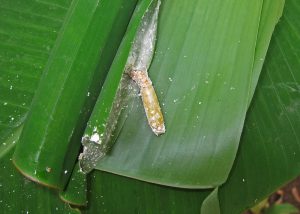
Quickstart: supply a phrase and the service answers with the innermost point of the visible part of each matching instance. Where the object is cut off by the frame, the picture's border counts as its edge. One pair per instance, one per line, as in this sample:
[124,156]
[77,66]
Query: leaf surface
[268,157]
[83,52]
[202,72]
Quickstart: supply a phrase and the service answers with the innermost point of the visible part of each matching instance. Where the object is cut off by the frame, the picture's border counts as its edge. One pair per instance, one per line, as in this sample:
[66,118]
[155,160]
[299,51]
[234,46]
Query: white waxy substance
[95,138]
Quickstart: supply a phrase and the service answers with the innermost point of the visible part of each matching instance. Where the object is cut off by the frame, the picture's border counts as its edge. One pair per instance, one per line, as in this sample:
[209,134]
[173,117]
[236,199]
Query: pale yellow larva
[138,63]
[150,101]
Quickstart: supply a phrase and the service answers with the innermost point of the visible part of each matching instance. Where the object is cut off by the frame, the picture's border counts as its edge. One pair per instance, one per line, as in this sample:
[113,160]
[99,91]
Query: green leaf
[266,28]
[282,209]
[105,115]
[202,72]
[251,178]
[260,206]
[72,80]
[20,195]
[28,32]
[255,158]
[211,203]
[75,192]
[116,194]
[269,154]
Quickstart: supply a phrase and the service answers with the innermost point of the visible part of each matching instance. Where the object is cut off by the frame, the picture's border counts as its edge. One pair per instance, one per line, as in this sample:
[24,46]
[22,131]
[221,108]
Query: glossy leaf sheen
[75,192]
[269,154]
[28,32]
[67,91]
[26,42]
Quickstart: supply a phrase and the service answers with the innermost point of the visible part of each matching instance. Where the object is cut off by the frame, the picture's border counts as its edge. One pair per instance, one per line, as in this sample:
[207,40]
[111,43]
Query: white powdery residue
[95,137]
[95,129]
[48,169]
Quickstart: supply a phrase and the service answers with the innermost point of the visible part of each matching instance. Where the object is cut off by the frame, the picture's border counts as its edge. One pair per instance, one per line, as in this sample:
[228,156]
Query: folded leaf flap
[202,71]
[50,141]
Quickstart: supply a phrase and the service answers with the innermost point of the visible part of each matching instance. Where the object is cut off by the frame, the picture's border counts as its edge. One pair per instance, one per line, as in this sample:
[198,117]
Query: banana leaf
[75,193]
[28,31]
[21,195]
[269,154]
[283,56]
[204,90]
[72,79]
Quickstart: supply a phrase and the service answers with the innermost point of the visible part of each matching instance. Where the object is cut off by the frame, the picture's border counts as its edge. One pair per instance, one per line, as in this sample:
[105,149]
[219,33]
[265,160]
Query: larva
[102,128]
[150,101]
[139,60]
